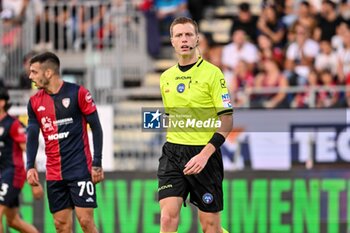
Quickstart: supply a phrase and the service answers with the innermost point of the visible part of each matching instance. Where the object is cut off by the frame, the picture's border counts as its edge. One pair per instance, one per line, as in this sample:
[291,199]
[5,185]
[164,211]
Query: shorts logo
[90,199]
[180,88]
[151,120]
[207,198]
[2,130]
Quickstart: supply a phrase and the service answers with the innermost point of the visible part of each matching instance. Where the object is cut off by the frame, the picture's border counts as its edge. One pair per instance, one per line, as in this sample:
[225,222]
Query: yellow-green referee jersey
[193,100]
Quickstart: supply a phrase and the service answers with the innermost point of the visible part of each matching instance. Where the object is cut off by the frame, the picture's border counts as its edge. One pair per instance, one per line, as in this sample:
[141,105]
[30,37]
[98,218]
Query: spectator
[344,58]
[300,56]
[327,58]
[347,93]
[302,99]
[337,40]
[152,27]
[18,8]
[268,51]
[306,17]
[246,21]
[328,95]
[241,84]
[208,50]
[328,20]
[238,49]
[290,16]
[12,49]
[271,25]
[168,10]
[270,77]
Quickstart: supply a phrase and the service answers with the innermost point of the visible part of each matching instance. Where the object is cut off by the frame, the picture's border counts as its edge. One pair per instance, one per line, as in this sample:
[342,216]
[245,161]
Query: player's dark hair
[52,61]
[4,95]
[183,20]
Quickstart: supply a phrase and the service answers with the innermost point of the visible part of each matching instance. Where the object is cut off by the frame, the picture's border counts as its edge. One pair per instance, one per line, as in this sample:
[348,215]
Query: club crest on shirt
[2,131]
[66,102]
[180,88]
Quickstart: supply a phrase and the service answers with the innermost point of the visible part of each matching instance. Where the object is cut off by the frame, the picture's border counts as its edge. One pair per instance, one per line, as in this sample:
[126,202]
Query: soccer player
[61,110]
[12,172]
[191,161]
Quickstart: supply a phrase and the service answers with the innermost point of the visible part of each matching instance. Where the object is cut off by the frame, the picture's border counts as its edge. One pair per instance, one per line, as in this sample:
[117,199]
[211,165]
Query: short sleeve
[17,132]
[86,102]
[220,95]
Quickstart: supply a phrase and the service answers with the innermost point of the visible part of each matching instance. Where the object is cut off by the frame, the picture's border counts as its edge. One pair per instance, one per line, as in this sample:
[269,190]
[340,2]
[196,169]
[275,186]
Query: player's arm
[88,108]
[32,145]
[17,133]
[97,138]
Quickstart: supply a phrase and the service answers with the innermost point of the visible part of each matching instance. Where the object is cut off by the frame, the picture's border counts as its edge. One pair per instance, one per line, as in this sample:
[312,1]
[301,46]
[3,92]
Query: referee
[194,92]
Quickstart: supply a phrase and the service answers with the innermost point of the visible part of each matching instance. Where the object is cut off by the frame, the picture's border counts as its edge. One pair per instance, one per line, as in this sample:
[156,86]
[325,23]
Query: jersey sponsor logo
[66,102]
[2,130]
[180,88]
[64,121]
[222,83]
[207,198]
[46,123]
[41,108]
[226,100]
[58,136]
[183,78]
[151,120]
[88,97]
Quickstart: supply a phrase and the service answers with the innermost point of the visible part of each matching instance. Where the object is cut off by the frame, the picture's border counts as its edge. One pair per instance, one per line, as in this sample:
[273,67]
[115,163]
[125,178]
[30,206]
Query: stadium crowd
[303,45]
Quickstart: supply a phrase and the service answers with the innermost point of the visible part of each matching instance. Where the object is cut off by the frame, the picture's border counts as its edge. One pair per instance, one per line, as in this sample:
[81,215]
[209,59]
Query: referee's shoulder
[169,71]
[210,66]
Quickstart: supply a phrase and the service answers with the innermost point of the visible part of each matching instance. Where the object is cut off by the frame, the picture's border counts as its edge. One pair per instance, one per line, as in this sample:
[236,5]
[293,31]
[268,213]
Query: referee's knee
[169,221]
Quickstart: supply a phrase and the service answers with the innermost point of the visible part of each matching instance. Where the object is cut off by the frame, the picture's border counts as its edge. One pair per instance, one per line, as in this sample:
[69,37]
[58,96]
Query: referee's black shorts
[205,188]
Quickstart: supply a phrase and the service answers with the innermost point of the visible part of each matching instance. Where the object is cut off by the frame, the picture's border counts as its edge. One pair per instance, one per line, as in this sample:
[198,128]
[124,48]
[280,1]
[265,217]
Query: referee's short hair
[183,20]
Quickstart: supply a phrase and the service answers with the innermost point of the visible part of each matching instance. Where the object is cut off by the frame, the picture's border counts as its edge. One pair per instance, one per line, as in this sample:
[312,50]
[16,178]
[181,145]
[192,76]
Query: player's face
[184,39]
[37,76]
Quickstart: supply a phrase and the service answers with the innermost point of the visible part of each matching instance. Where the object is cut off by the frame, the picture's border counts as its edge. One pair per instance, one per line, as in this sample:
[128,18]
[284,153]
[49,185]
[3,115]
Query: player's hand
[196,164]
[33,177]
[37,191]
[97,174]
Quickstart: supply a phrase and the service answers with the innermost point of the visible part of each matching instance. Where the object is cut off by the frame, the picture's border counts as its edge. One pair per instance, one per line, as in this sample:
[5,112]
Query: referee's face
[184,39]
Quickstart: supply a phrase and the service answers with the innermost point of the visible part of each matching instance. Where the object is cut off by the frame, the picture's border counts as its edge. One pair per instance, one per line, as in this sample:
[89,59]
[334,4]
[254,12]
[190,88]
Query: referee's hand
[97,174]
[196,164]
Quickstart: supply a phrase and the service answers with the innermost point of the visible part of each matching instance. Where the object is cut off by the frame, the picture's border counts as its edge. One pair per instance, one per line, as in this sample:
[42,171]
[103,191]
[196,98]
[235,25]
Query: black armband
[217,140]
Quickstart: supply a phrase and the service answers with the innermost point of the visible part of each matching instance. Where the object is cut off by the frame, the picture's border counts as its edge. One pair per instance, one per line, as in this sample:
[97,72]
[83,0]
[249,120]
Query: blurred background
[286,65]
